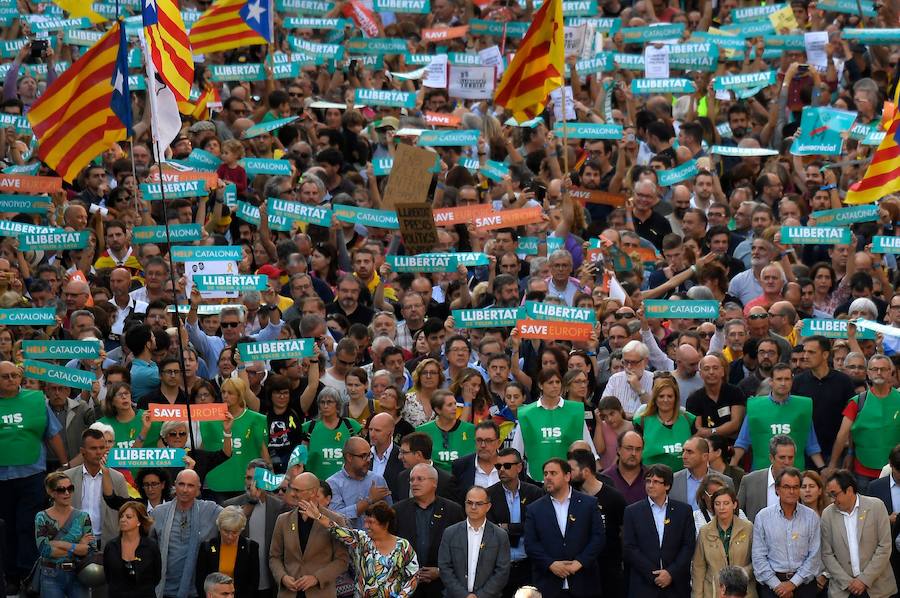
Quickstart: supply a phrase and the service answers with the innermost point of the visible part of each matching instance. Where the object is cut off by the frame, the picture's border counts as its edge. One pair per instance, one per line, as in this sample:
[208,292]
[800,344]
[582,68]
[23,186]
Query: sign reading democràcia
[173,190]
[588,130]
[443,138]
[882,244]
[491,317]
[266,480]
[53,241]
[230,282]
[831,329]
[384,97]
[843,216]
[367,216]
[61,349]
[548,330]
[220,253]
[139,458]
[422,263]
[35,316]
[47,372]
[814,235]
[178,233]
[821,131]
[692,310]
[294,210]
[200,412]
[559,313]
[298,348]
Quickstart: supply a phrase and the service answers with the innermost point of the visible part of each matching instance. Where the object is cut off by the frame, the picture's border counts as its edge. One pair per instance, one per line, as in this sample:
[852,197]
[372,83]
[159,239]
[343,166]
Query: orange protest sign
[460,214]
[647,254]
[201,412]
[549,331]
[437,119]
[439,34]
[23,183]
[584,196]
[177,176]
[509,218]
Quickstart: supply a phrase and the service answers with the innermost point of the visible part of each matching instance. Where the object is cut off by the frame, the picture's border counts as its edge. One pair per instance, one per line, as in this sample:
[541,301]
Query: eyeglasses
[151,484]
[506,466]
[328,402]
[64,489]
[171,372]
[706,334]
[757,316]
[834,495]
[623,315]
[430,373]
[632,361]
[363,456]
[477,504]
[230,324]
[177,434]
[485,440]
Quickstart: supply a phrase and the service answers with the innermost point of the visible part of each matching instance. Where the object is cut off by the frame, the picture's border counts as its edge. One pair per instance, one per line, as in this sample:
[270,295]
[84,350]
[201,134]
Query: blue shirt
[516,551]
[347,491]
[16,472]
[782,545]
[812,442]
[144,378]
[895,496]
[692,485]
[210,347]
[659,517]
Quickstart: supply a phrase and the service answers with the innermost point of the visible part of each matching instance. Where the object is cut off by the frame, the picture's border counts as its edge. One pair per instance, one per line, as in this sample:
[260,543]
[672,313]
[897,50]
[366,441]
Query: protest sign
[417,226]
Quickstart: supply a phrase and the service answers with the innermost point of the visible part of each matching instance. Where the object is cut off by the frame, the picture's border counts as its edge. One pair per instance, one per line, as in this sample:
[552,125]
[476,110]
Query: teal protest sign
[230,282]
[589,66]
[849,7]
[588,130]
[722,40]
[268,166]
[266,480]
[744,80]
[652,86]
[641,35]
[467,137]
[33,316]
[247,71]
[250,213]
[53,241]
[752,13]
[629,62]
[494,170]
[173,190]
[674,309]
[667,178]
[821,131]
[377,45]
[573,8]
[383,166]
[19,123]
[416,7]
[293,210]
[529,245]
[511,29]
[470,164]
[210,253]
[559,313]
[844,216]
[367,216]
[315,49]
[178,233]
[753,28]
[296,348]
[784,42]
[267,127]
[422,263]
[81,37]
[814,235]
[872,36]
[608,25]
[30,169]
[204,310]
[56,374]
[881,244]
[727,150]
[59,24]
[24,204]
[312,7]
[201,160]
[860,131]
[315,23]
[694,56]
[229,195]
[465,258]
[831,329]
[491,317]
[139,458]
[385,97]
[61,349]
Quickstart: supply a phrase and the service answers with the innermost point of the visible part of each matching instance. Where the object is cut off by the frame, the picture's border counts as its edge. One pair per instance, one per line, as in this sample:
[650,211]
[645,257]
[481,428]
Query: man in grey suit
[695,456]
[74,416]
[463,573]
[861,565]
[757,489]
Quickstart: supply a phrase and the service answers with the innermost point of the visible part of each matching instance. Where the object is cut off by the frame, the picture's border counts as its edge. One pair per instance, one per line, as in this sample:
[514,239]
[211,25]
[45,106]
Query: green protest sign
[56,374]
[603,61]
[267,126]
[250,213]
[173,190]
[667,178]
[32,316]
[752,13]
[53,241]
[755,28]
[831,329]
[296,348]
[230,282]
[237,72]
[727,150]
[294,210]
[201,160]
[315,23]
[628,62]
[61,349]
[367,216]
[269,166]
[675,309]
[178,233]
[376,45]
[872,36]
[45,25]
[652,86]
[588,130]
[266,480]
[491,317]
[384,97]
[208,253]
[882,244]
[529,245]
[422,263]
[821,131]
[642,35]
[418,7]
[140,458]
[559,313]
[20,123]
[844,216]
[849,7]
[744,80]
[464,258]
[494,170]
[784,42]
[694,56]
[814,235]
[443,138]
[329,51]
[511,29]
[29,169]
[608,25]
[81,37]
[24,204]
[312,7]
[229,195]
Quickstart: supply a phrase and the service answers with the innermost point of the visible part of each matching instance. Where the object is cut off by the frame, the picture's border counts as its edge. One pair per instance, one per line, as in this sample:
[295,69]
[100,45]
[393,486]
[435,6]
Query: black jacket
[147,567]
[499,513]
[246,566]
[446,513]
[392,471]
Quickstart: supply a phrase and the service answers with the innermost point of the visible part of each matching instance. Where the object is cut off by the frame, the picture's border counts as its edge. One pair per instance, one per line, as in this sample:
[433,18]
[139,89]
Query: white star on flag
[255,10]
[119,81]
[151,4]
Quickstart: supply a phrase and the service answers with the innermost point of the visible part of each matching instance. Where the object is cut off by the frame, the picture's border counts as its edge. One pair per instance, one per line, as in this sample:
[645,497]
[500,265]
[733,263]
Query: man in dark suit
[887,489]
[385,459]
[477,469]
[416,448]
[564,536]
[509,498]
[256,503]
[658,540]
[422,520]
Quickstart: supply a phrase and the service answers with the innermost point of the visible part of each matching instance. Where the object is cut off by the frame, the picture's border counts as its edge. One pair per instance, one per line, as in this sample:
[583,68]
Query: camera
[39,49]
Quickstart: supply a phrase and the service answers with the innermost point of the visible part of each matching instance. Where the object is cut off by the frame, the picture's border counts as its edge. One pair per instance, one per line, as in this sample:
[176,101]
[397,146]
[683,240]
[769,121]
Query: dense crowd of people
[662,360]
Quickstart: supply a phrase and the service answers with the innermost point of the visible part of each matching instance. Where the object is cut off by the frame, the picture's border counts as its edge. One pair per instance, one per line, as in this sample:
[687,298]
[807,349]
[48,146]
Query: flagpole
[565,133]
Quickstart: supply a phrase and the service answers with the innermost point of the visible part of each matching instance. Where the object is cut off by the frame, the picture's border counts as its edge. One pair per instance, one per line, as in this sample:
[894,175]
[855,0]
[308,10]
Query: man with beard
[746,286]
[719,406]
[506,291]
[761,218]
[347,303]
[673,252]
[647,223]
[681,201]
[766,358]
[628,472]
[611,504]
[704,190]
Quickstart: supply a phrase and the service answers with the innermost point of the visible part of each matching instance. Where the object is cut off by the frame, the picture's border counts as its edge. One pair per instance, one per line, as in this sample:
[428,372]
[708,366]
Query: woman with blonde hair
[231,553]
[132,562]
[427,378]
[664,425]
[726,540]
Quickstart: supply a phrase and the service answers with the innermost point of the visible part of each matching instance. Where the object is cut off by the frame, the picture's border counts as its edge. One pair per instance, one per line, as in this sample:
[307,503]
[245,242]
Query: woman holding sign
[126,422]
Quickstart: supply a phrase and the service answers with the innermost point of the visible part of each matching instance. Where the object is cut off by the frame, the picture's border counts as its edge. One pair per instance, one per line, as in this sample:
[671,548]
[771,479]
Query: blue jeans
[56,583]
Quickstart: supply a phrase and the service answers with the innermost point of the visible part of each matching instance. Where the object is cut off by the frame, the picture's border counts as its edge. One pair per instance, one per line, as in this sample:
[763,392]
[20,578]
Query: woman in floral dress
[385,565]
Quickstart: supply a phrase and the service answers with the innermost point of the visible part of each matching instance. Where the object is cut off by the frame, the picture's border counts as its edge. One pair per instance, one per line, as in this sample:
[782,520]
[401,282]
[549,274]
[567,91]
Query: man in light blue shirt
[786,542]
[354,488]
[141,341]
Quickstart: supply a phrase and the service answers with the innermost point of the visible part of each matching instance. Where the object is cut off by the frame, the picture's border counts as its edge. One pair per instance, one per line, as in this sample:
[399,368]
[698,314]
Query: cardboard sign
[266,480]
[559,313]
[491,317]
[230,282]
[882,244]
[460,214]
[367,216]
[139,458]
[53,241]
[178,233]
[674,309]
[549,331]
[32,316]
[422,263]
[69,377]
[417,226]
[409,173]
[814,235]
[509,218]
[61,349]
[200,412]
[606,198]
[832,329]
[298,348]
[225,253]
[22,183]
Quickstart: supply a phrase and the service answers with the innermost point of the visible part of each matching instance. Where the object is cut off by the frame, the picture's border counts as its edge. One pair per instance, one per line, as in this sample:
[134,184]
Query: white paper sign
[436,72]
[815,42]
[574,37]
[556,96]
[492,57]
[471,82]
[656,62]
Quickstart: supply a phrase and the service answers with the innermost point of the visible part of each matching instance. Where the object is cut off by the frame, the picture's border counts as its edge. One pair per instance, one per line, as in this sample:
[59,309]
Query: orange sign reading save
[546,330]
[511,218]
[594,196]
[23,183]
[200,412]
[460,214]
[438,119]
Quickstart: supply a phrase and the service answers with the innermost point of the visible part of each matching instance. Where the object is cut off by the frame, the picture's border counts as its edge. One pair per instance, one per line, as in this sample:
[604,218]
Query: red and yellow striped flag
[168,46]
[883,174]
[232,24]
[538,66]
[208,101]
